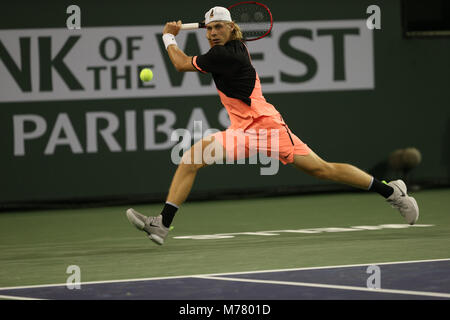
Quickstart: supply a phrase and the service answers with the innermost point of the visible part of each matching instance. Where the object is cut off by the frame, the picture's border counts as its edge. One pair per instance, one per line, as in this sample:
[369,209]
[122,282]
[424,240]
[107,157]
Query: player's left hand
[172,27]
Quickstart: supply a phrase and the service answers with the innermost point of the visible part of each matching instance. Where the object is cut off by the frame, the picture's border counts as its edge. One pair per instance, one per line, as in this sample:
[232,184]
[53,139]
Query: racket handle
[190,26]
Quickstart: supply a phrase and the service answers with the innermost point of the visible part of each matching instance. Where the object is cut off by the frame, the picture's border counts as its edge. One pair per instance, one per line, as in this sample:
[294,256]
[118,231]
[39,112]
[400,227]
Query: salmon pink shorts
[269,135]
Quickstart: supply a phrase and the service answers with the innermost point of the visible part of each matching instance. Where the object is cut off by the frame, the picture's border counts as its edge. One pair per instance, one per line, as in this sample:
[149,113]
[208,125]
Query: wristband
[169,39]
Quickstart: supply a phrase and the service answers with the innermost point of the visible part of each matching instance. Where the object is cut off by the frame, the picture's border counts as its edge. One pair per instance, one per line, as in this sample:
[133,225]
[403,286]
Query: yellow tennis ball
[146,75]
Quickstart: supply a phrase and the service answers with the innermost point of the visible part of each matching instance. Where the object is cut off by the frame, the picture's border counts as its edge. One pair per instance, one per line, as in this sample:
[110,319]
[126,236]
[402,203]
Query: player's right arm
[179,59]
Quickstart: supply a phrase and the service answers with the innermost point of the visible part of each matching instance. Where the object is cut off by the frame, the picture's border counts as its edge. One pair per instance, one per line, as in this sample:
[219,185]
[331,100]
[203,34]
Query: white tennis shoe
[151,225]
[405,204]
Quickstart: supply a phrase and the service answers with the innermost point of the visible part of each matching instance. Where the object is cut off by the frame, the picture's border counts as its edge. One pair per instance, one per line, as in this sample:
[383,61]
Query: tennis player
[239,88]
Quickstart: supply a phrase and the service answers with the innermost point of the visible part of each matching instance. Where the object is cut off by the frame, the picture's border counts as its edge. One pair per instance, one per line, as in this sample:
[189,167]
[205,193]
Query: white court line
[331,286]
[225,274]
[329,267]
[217,236]
[18,298]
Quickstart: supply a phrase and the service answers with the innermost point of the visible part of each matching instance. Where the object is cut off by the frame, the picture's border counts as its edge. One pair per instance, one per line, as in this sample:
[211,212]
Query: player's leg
[193,160]
[344,173]
[395,192]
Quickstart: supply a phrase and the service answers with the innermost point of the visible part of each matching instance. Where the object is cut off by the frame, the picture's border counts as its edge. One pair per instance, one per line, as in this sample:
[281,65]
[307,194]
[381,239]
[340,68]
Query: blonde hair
[236,34]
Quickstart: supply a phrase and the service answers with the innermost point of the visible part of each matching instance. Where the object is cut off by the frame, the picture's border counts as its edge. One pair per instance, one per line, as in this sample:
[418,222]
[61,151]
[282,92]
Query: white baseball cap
[217,14]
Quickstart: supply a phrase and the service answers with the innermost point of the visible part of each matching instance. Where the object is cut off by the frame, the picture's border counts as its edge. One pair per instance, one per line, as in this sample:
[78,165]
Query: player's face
[218,33]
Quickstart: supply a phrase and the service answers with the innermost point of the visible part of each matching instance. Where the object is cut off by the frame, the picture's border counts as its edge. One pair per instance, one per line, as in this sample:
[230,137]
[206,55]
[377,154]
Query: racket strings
[253,19]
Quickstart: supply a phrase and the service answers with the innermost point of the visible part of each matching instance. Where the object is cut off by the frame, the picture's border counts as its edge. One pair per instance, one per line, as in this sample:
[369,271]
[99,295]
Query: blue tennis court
[398,281]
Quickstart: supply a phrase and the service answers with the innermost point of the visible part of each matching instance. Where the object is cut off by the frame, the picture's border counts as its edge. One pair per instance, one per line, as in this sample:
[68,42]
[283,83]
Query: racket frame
[198,25]
[262,5]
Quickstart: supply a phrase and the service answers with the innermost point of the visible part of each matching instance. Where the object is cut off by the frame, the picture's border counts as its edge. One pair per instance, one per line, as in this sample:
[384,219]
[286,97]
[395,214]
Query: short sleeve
[216,60]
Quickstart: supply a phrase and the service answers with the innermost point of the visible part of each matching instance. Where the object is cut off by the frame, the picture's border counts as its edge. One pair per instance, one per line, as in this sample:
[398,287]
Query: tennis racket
[254,19]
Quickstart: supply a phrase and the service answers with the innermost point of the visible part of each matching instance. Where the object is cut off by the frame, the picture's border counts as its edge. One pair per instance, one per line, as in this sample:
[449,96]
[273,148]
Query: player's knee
[190,163]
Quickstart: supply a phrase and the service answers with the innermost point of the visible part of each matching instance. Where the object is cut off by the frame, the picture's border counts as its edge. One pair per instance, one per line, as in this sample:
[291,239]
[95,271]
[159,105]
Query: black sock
[382,188]
[168,214]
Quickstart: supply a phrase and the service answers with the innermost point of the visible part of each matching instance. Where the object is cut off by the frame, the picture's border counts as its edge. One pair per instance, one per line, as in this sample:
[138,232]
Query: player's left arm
[179,59]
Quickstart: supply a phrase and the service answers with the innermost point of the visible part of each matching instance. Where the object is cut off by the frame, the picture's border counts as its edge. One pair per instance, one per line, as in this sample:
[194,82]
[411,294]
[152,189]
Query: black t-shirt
[231,68]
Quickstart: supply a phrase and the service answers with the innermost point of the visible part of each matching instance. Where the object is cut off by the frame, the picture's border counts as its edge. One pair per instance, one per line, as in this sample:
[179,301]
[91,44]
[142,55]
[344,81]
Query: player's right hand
[172,27]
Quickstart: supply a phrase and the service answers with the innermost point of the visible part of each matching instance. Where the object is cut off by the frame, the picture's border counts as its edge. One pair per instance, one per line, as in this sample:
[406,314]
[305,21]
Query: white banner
[104,62]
